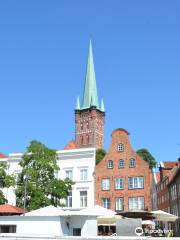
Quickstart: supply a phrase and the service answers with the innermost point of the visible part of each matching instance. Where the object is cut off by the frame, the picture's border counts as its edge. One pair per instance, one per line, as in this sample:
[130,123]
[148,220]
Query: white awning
[164,216]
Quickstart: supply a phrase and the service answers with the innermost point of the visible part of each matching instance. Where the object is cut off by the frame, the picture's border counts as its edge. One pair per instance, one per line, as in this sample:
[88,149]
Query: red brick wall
[89,124]
[141,170]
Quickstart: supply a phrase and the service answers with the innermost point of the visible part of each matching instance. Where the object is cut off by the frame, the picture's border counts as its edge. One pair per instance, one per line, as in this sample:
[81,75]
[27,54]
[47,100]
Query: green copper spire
[102,106]
[78,104]
[90,90]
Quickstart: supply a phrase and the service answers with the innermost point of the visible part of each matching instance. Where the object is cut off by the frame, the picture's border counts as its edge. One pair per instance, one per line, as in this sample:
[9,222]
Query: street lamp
[26,178]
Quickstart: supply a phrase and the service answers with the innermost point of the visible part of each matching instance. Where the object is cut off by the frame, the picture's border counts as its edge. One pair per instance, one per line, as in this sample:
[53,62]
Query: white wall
[52,225]
[34,225]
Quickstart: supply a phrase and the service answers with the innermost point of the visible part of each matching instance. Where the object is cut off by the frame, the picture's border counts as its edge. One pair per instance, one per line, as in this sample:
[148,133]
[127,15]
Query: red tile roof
[7,209]
[71,145]
[172,173]
[2,155]
[169,164]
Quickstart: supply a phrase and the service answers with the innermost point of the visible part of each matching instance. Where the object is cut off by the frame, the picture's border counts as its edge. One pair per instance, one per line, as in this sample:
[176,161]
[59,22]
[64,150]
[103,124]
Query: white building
[76,164]
[54,221]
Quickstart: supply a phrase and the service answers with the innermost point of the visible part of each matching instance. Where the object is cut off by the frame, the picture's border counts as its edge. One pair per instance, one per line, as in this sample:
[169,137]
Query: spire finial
[90,90]
[102,106]
[78,104]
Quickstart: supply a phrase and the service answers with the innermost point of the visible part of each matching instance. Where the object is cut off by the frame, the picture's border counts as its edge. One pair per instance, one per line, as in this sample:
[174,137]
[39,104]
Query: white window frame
[106,203]
[119,204]
[120,147]
[110,164]
[83,198]
[132,160]
[136,183]
[121,165]
[69,200]
[105,184]
[119,183]
[136,203]
[69,174]
[83,174]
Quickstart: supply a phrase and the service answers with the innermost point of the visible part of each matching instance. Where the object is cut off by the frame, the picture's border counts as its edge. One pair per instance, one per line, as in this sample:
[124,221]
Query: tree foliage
[146,156]
[6,181]
[39,166]
[100,154]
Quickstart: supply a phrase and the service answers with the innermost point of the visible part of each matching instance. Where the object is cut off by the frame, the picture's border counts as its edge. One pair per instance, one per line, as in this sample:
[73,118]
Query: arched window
[132,163]
[121,163]
[110,164]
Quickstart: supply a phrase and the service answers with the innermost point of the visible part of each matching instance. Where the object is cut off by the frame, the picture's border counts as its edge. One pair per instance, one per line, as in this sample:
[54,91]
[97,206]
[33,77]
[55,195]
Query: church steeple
[89,117]
[90,89]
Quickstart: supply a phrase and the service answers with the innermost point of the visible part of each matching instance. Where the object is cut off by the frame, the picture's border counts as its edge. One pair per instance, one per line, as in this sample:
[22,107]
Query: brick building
[123,179]
[174,197]
[168,192]
[166,172]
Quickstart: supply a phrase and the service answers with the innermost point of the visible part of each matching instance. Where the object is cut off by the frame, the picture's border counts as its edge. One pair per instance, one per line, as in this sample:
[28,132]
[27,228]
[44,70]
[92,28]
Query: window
[76,231]
[173,192]
[121,163]
[132,163]
[83,174]
[7,228]
[105,184]
[136,203]
[119,183]
[69,200]
[83,198]
[69,174]
[110,164]
[106,202]
[136,182]
[119,204]
[120,147]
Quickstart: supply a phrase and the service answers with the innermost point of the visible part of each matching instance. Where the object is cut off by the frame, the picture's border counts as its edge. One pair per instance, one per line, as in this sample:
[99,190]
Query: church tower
[89,117]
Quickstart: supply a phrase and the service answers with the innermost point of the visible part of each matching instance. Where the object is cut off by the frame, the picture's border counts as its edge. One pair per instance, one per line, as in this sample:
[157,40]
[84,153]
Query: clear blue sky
[43,55]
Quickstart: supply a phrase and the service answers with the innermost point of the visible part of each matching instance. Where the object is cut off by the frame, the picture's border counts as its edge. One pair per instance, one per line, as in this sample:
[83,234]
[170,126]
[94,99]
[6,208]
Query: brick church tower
[89,117]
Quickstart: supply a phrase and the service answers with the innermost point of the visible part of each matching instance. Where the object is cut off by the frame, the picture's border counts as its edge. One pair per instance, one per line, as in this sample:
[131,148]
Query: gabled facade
[89,117]
[123,179]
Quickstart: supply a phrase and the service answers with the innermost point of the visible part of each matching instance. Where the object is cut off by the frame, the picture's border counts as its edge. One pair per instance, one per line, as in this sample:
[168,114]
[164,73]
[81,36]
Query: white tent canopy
[57,211]
[164,216]
[108,220]
[46,212]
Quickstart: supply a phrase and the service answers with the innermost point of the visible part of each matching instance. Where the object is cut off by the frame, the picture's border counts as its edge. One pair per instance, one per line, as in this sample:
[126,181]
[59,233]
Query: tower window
[110,164]
[120,147]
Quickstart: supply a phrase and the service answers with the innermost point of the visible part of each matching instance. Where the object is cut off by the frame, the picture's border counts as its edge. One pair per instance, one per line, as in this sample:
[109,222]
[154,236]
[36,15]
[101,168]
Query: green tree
[100,154]
[146,156]
[39,166]
[6,181]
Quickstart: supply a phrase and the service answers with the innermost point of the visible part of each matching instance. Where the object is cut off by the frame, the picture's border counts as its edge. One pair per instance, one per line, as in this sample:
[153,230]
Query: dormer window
[110,164]
[120,147]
